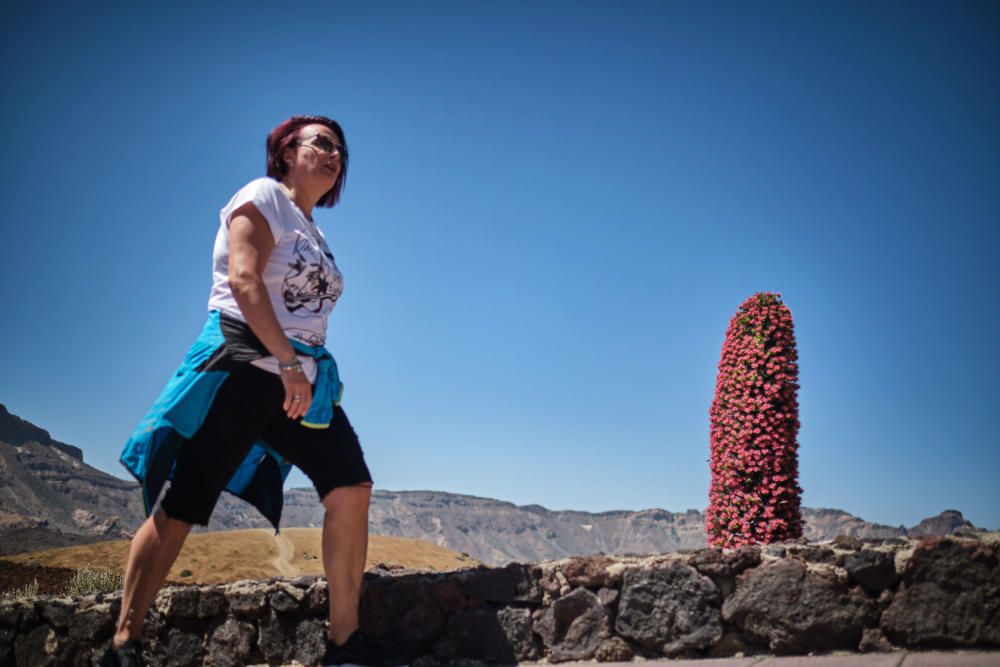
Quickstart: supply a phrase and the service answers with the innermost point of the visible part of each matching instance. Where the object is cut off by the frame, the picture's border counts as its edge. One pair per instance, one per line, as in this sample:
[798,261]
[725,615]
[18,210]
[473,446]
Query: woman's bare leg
[154,549]
[345,548]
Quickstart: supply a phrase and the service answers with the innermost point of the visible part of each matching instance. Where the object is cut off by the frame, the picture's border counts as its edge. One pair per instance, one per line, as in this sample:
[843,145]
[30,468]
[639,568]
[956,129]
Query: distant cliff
[17,431]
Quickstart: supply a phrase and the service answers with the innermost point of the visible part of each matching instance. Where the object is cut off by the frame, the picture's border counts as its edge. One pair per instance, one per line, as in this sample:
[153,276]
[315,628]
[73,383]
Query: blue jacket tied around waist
[181,409]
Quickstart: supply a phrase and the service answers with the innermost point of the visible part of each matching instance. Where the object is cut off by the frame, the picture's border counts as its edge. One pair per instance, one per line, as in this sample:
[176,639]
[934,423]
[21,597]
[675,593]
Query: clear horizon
[552,212]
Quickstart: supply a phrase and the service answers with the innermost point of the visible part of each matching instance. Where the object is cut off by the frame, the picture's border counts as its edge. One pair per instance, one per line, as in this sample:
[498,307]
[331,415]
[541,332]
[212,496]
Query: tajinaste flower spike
[754,495]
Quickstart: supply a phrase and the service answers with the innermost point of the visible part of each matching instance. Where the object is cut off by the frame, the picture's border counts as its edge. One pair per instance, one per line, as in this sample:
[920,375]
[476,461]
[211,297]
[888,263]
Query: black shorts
[247,408]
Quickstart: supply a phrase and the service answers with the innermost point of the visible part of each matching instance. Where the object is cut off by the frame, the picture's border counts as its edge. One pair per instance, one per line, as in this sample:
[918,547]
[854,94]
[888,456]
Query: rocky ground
[51,580]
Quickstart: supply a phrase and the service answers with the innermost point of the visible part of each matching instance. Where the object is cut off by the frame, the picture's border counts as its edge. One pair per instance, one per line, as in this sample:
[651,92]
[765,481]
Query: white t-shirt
[301,277]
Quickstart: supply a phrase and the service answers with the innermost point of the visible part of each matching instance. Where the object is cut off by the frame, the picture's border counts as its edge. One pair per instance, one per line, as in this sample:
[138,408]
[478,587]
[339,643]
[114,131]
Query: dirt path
[283,561]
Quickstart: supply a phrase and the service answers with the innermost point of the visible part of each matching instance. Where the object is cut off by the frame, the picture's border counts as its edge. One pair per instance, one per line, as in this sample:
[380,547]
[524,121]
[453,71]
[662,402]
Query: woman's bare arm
[250,246]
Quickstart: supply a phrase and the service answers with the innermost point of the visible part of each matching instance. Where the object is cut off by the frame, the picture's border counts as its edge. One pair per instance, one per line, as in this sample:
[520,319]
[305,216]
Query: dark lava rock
[874,570]
[949,598]
[573,626]
[793,611]
[671,610]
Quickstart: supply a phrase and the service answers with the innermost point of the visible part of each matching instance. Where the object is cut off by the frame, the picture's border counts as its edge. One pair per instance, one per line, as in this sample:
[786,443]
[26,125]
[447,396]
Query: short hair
[287,135]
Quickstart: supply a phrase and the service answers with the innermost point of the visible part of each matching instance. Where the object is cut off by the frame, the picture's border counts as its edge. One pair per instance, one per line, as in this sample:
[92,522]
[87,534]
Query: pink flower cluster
[754,495]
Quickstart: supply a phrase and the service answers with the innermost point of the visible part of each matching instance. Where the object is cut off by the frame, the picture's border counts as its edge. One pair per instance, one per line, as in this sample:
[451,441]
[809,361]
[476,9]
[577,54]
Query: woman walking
[258,393]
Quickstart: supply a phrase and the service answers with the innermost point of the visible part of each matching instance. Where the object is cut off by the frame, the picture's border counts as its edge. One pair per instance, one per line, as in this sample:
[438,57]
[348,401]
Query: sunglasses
[323,143]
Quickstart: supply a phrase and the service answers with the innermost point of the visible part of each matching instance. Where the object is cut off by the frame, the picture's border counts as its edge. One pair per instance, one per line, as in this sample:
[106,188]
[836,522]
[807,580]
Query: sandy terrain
[252,554]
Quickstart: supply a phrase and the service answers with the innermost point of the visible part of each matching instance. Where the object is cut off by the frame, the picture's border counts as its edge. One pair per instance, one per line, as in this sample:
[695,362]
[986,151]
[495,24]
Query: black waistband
[241,342]
[242,346]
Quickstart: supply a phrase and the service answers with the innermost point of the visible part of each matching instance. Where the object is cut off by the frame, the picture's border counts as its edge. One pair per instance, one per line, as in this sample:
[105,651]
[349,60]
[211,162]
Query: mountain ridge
[50,497]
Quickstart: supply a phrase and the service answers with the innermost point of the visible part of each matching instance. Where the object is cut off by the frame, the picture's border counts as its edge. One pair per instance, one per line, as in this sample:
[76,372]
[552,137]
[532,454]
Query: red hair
[287,135]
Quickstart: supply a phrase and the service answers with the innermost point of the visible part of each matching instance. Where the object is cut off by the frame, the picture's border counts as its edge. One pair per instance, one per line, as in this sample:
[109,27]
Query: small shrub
[186,573]
[94,580]
[26,591]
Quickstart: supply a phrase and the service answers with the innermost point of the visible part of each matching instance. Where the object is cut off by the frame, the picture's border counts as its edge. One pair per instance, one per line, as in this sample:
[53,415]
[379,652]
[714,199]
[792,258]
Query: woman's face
[316,156]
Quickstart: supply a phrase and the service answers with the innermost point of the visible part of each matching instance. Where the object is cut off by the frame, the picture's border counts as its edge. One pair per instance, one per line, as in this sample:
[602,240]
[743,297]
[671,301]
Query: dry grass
[29,590]
[232,555]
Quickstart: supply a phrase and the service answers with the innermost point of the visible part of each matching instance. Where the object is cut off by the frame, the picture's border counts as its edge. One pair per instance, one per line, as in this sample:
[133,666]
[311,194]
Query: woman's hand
[298,392]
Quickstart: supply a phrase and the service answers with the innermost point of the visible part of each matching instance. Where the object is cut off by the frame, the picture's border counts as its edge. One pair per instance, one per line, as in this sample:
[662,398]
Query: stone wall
[789,598]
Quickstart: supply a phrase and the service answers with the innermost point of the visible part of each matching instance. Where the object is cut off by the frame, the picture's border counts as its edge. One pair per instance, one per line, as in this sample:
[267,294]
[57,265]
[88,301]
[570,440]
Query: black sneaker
[357,650]
[129,655]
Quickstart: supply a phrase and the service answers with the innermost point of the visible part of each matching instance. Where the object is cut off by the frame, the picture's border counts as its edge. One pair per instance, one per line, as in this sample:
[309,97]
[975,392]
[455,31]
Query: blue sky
[552,212]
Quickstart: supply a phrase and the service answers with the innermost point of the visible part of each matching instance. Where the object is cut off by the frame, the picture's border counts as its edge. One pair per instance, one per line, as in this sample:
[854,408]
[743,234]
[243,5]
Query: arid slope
[256,553]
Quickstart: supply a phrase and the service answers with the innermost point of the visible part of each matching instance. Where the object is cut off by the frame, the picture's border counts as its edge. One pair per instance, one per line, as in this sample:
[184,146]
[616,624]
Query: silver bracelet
[291,366]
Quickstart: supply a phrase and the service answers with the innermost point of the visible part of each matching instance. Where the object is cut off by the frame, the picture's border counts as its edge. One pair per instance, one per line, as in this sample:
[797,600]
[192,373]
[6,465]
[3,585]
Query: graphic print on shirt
[307,337]
[312,285]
